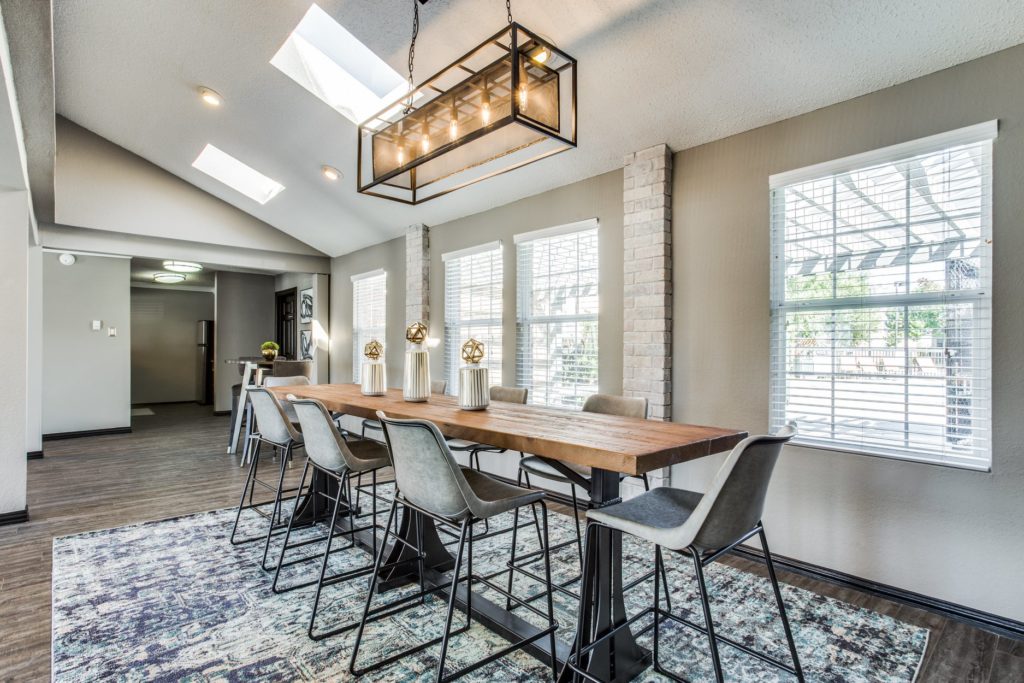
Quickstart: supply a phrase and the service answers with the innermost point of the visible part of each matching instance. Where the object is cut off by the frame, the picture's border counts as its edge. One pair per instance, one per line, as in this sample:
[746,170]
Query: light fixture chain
[412,51]
[508,8]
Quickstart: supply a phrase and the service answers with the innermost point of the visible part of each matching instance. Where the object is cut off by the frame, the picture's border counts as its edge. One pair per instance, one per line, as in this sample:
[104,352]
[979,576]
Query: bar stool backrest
[439,386]
[623,406]
[273,424]
[323,443]
[509,394]
[290,381]
[290,368]
[734,503]
[425,471]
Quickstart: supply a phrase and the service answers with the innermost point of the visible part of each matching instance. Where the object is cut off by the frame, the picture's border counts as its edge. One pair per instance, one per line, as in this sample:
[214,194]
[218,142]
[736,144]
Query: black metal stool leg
[706,604]
[291,521]
[576,518]
[451,600]
[782,607]
[241,503]
[274,515]
[547,580]
[582,617]
[664,575]
[323,566]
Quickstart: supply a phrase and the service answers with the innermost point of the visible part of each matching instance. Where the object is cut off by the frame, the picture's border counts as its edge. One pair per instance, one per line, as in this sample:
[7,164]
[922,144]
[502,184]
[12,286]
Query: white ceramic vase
[474,388]
[416,387]
[374,378]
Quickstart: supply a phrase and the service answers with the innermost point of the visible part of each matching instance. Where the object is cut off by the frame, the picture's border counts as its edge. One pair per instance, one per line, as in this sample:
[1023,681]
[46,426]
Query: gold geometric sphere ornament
[416,333]
[473,351]
[373,350]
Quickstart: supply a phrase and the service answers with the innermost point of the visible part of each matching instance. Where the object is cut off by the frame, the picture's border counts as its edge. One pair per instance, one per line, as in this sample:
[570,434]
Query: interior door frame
[288,345]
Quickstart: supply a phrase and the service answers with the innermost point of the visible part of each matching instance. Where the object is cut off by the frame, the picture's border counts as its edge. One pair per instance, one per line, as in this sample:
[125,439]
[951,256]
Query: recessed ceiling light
[210,97]
[168,278]
[183,266]
[330,172]
[328,61]
[227,169]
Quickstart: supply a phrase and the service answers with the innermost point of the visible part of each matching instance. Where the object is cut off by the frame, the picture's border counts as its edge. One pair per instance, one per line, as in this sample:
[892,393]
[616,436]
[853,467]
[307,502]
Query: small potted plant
[269,350]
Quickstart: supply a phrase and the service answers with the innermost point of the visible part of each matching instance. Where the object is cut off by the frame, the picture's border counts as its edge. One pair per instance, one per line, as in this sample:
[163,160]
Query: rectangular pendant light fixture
[508,102]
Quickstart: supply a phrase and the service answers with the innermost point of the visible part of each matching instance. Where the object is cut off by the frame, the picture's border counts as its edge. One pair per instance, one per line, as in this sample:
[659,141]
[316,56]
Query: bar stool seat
[541,467]
[371,455]
[496,496]
[651,514]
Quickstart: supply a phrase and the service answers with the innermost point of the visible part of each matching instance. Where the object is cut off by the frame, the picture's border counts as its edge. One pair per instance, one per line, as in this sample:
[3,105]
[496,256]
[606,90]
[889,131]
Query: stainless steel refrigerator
[204,362]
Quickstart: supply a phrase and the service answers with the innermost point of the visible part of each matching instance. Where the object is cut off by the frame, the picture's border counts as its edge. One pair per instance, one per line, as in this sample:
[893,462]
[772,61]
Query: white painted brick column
[647,287]
[417,274]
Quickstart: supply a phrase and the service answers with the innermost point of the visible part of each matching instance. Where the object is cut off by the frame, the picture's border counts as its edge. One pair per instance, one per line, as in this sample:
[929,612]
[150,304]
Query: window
[881,300]
[472,308]
[240,177]
[556,335]
[328,61]
[369,295]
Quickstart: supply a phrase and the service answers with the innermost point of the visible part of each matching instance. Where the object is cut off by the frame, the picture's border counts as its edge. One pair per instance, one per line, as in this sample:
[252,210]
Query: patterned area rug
[174,601]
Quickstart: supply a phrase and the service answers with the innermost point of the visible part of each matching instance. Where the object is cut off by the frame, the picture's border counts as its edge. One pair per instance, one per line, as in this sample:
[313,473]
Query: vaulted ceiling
[682,72]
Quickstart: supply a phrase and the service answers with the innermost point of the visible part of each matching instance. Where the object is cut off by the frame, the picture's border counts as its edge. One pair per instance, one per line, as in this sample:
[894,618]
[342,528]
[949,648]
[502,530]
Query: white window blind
[556,335]
[369,312]
[472,308]
[881,302]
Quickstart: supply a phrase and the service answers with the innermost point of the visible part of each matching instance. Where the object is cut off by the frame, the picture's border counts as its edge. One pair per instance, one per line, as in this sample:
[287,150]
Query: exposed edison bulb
[524,97]
[453,130]
[425,142]
[485,112]
[541,55]
[401,155]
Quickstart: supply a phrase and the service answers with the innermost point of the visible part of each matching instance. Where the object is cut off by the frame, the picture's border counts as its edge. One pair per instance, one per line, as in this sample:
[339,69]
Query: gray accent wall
[244,305]
[164,342]
[86,373]
[943,532]
[389,256]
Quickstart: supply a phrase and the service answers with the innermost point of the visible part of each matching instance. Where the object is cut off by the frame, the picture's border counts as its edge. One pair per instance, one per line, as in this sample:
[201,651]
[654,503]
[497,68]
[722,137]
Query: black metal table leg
[437,556]
[620,658]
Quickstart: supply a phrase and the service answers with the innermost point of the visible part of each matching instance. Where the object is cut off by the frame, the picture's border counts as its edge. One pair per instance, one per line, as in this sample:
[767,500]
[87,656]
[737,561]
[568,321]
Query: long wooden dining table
[610,445]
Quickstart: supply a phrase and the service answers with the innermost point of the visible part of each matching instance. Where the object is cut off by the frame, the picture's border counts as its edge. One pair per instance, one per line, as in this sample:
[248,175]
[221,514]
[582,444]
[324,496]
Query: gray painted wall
[14,277]
[391,257]
[164,342]
[947,533]
[103,186]
[244,305]
[86,374]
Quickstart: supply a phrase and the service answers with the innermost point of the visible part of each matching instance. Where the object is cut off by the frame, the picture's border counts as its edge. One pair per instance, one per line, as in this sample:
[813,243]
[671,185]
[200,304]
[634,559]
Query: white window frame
[526,320]
[362,334]
[471,260]
[980,458]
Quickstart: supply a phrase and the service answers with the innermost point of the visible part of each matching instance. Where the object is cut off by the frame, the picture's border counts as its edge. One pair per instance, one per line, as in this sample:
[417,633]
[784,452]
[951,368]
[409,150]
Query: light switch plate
[97,325]
[111,331]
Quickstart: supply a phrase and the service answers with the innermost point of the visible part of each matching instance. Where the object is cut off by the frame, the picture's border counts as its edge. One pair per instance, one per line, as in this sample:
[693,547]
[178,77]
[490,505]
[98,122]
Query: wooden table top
[619,444]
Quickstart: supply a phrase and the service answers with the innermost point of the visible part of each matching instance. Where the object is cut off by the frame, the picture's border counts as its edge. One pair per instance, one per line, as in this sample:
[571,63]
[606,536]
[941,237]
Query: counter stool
[330,456]
[274,428]
[705,527]
[580,475]
[429,482]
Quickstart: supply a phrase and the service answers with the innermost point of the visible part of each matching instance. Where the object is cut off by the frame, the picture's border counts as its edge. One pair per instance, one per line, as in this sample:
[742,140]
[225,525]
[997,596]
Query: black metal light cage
[508,102]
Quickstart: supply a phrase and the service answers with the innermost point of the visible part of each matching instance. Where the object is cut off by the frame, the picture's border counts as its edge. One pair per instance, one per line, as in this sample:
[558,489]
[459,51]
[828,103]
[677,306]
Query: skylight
[221,166]
[328,61]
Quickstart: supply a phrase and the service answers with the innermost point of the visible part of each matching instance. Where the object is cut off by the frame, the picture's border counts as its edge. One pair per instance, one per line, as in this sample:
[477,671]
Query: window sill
[825,446]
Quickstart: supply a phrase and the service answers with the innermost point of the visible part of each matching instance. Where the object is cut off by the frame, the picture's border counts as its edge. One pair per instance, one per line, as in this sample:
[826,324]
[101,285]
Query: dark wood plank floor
[175,463]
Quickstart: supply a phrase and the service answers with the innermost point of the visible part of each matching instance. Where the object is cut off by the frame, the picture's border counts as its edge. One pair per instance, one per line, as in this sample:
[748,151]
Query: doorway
[285,307]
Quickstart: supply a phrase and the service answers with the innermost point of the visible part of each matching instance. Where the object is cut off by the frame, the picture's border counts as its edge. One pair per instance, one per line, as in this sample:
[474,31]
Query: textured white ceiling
[682,72]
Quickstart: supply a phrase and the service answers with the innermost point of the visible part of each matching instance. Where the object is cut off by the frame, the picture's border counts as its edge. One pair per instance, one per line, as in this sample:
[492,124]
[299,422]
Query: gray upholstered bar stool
[580,475]
[274,428]
[269,381]
[705,527]
[431,484]
[331,457]
[437,386]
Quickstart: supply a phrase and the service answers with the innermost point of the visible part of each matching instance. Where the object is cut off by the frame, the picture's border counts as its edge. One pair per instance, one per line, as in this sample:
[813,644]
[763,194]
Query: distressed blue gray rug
[173,601]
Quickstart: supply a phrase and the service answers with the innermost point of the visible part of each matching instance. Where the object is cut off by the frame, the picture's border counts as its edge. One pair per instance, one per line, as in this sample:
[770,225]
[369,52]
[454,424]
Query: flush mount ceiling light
[330,172]
[183,266]
[221,166]
[508,102]
[210,96]
[168,278]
